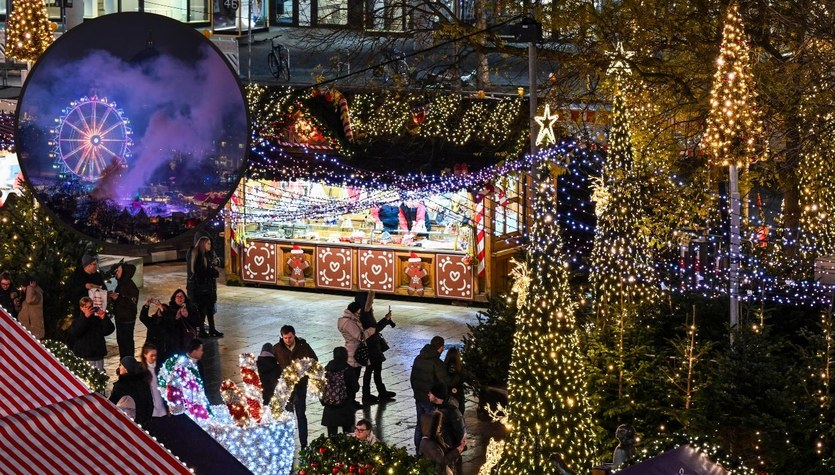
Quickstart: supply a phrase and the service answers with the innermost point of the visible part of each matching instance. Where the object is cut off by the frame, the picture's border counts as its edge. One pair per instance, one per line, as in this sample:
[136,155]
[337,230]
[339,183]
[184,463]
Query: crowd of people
[178,326]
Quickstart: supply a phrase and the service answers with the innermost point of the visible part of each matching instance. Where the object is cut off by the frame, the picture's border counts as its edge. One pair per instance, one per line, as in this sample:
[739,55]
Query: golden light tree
[548,412]
[734,132]
[28,30]
[734,127]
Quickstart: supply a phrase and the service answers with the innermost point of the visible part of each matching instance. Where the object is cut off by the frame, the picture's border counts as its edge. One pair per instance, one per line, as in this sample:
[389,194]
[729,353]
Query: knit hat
[296,249]
[130,364]
[87,259]
[414,257]
[439,391]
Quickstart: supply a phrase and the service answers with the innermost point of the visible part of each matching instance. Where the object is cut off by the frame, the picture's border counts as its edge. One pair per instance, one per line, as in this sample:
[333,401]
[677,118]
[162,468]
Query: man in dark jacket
[286,351]
[427,370]
[268,371]
[88,330]
[85,278]
[453,429]
[125,298]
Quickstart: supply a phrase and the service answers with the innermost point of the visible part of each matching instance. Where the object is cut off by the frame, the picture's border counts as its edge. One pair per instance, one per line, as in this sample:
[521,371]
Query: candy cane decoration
[344,114]
[253,394]
[501,198]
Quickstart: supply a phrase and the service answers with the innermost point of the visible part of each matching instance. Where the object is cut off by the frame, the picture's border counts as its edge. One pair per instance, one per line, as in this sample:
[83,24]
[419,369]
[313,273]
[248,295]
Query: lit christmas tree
[28,31]
[548,413]
[734,127]
[817,183]
[622,274]
[31,242]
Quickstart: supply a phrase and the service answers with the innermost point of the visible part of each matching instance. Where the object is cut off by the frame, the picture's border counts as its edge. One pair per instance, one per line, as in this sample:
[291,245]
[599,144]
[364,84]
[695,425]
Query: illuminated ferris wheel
[91,135]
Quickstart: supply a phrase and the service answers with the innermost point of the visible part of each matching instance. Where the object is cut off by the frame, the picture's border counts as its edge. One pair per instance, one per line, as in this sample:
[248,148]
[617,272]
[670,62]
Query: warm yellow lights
[733,129]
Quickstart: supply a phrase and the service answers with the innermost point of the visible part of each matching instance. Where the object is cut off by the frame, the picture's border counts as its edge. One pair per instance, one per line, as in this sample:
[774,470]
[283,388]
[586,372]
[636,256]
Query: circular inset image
[134,140]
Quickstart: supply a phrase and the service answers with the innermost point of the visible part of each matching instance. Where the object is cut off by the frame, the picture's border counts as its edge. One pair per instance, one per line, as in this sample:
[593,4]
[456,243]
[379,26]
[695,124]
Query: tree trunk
[482,66]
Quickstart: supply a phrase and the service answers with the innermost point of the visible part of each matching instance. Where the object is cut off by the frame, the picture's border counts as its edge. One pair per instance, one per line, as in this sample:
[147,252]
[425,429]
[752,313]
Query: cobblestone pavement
[251,316]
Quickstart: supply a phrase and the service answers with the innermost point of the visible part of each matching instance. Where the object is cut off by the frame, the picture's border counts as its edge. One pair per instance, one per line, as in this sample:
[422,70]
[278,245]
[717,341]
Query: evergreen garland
[349,455]
[94,379]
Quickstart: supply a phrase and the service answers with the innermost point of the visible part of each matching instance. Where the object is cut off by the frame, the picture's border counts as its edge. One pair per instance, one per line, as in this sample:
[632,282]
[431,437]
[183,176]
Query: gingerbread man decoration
[416,273]
[297,264]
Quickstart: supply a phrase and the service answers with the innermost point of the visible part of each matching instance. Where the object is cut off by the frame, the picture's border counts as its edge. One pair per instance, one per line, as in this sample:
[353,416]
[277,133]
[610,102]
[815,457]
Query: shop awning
[685,460]
[51,423]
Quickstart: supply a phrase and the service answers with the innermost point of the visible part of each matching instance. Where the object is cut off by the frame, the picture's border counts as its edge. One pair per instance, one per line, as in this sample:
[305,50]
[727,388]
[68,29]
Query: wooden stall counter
[393,269]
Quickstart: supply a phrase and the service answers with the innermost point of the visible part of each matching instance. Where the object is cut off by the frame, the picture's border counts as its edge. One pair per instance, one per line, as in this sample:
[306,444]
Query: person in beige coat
[31,312]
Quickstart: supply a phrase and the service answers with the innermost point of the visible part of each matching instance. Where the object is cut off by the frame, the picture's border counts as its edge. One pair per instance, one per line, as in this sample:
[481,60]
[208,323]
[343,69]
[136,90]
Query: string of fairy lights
[575,215]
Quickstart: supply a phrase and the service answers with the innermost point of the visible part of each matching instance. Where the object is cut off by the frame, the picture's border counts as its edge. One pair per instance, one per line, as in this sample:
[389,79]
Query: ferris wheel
[91,135]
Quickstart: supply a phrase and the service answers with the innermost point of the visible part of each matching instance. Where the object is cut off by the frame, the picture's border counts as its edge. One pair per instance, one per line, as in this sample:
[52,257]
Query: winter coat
[351,330]
[285,357]
[155,333]
[453,429]
[77,286]
[441,459]
[375,350]
[124,307]
[174,328]
[202,286]
[268,371]
[87,334]
[136,386]
[428,369]
[343,414]
[31,313]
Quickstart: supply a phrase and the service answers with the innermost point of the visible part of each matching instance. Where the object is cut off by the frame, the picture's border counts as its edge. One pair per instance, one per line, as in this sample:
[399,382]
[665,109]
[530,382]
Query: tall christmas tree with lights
[622,274]
[28,30]
[734,131]
[549,414]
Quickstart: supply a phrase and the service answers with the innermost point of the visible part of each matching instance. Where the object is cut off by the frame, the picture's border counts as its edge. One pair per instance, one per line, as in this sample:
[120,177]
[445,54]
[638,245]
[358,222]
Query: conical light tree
[734,132]
[622,275]
[549,414]
[734,126]
[28,31]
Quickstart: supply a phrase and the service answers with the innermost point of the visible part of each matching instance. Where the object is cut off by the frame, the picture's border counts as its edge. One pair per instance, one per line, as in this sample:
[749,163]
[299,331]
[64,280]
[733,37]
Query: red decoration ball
[361,471]
[335,469]
[352,468]
[314,464]
[302,472]
[322,450]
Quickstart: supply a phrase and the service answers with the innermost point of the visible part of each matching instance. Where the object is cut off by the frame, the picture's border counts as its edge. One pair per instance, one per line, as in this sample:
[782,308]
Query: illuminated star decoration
[619,62]
[546,132]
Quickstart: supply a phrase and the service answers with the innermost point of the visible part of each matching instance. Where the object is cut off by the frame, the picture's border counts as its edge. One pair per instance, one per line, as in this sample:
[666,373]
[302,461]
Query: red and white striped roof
[51,423]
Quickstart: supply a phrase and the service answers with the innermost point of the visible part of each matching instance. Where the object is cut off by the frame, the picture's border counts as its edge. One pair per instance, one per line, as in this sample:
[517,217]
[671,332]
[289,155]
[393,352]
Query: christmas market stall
[399,193]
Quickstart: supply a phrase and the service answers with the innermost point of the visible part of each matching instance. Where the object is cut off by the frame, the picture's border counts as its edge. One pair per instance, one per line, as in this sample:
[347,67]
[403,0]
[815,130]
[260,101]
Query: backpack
[335,392]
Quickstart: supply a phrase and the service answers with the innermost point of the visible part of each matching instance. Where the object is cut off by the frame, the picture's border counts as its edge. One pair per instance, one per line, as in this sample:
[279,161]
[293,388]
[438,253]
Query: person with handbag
[355,342]
[376,350]
[202,284]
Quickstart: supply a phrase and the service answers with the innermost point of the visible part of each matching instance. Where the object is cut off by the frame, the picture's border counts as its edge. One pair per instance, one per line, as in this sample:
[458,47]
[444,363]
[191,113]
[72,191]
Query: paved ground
[252,316]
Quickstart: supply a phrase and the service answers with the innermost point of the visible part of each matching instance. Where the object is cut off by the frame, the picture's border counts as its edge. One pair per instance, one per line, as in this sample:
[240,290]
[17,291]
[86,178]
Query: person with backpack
[339,408]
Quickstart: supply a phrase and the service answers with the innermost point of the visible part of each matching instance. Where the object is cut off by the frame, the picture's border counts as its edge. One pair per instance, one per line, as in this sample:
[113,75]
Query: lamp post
[733,267]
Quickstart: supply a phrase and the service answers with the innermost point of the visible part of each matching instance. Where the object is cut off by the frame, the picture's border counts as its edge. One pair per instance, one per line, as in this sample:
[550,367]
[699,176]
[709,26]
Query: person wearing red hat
[416,273]
[297,264]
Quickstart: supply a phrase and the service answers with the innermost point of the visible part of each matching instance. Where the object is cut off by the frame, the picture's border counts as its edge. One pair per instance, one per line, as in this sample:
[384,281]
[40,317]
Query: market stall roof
[684,459]
[50,422]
